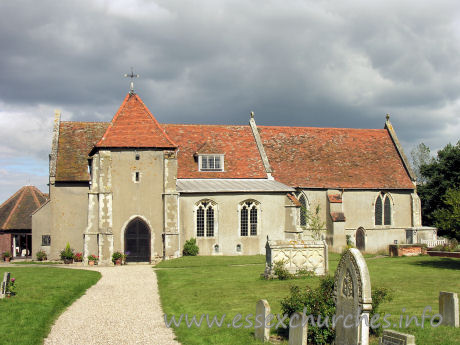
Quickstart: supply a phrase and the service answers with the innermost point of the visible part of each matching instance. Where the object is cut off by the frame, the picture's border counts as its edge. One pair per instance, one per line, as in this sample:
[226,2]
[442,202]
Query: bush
[320,301]
[67,253]
[281,272]
[41,255]
[379,295]
[6,254]
[191,248]
[93,257]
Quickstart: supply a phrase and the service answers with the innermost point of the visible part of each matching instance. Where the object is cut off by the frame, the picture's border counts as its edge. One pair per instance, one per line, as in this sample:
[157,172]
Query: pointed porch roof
[134,126]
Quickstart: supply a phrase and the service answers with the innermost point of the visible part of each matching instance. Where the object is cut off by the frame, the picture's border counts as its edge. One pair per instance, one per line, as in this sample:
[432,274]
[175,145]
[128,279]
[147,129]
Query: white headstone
[396,338]
[262,311]
[448,308]
[352,294]
[5,282]
[298,328]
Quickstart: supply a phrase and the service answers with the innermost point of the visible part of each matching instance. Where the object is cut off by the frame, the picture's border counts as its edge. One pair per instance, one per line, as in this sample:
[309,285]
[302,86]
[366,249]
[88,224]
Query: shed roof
[16,212]
[230,185]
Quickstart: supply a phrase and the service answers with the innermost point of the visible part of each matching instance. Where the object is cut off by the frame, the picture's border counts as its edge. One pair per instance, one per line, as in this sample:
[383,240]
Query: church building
[144,188]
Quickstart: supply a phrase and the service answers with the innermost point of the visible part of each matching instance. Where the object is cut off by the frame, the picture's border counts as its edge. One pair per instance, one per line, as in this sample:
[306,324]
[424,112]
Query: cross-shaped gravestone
[5,282]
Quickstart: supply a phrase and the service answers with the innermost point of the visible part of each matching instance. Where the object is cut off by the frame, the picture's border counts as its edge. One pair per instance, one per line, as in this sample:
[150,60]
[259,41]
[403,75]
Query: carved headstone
[352,294]
[5,282]
[298,328]
[262,311]
[396,338]
[448,308]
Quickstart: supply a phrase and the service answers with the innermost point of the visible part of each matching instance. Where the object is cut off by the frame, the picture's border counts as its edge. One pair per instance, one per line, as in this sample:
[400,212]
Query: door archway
[137,241]
[360,239]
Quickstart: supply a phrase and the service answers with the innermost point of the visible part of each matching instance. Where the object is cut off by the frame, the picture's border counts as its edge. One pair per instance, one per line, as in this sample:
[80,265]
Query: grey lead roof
[230,185]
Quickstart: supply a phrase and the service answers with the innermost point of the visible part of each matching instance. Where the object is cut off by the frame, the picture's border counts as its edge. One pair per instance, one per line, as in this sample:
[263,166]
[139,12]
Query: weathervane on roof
[132,76]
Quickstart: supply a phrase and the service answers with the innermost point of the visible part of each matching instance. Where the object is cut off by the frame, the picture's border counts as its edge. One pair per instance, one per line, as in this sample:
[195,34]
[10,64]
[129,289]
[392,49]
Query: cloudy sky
[303,63]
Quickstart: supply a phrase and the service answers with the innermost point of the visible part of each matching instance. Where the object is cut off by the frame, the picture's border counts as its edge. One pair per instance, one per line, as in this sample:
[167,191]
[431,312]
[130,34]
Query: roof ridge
[33,192]
[85,122]
[113,119]
[11,197]
[309,127]
[15,207]
[155,120]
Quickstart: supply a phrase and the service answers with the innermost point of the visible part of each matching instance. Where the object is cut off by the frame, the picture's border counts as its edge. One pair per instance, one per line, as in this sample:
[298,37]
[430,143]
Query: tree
[448,218]
[442,174]
[421,155]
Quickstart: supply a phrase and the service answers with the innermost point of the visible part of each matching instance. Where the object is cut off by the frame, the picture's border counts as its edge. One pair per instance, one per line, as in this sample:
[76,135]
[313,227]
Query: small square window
[46,240]
[211,162]
[138,156]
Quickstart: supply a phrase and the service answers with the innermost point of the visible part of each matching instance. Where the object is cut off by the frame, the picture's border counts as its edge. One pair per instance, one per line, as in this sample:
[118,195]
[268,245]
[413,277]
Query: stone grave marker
[396,338]
[297,331]
[448,308]
[5,282]
[262,311]
[352,295]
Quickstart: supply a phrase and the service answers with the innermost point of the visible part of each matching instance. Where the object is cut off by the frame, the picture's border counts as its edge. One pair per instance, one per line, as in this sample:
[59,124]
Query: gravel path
[122,308]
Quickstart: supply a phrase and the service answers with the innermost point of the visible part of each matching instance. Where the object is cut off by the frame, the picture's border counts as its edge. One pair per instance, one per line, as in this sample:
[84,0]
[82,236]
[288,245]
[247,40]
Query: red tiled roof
[15,213]
[241,160]
[76,139]
[335,198]
[134,126]
[334,158]
[338,216]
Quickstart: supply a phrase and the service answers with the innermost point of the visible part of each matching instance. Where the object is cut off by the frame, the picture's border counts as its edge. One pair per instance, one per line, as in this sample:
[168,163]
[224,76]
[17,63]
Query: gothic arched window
[205,221]
[303,210]
[383,210]
[249,218]
[387,211]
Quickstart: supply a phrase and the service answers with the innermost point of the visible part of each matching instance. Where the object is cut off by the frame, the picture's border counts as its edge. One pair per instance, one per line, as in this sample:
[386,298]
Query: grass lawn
[221,285]
[42,294]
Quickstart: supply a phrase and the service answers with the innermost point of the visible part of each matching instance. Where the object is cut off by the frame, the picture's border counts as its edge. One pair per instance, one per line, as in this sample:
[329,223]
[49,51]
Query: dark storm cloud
[298,63]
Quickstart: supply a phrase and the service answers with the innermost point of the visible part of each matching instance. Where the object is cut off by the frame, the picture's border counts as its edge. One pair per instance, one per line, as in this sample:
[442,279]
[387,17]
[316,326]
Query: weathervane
[132,76]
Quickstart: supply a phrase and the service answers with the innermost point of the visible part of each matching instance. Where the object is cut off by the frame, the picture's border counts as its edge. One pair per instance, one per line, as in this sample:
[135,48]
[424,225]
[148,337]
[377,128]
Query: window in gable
[249,218]
[211,162]
[205,221]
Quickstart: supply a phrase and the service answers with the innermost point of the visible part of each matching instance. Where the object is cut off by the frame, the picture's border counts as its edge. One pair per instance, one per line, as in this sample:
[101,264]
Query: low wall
[297,255]
[406,249]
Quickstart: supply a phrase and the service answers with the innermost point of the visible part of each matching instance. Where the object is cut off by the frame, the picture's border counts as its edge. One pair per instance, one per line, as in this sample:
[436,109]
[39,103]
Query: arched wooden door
[137,241]
[360,239]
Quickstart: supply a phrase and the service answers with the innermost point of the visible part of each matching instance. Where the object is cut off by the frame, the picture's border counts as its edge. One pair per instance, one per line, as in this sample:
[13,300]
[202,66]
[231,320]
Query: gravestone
[396,338]
[297,330]
[262,311]
[5,282]
[352,295]
[448,308]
